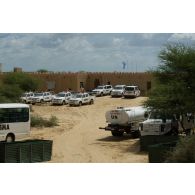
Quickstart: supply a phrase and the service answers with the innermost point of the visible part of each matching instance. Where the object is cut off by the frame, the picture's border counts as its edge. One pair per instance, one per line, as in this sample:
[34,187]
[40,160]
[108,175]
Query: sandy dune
[78,139]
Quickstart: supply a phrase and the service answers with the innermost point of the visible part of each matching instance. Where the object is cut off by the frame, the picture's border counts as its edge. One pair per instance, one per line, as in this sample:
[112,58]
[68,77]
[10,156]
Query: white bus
[14,121]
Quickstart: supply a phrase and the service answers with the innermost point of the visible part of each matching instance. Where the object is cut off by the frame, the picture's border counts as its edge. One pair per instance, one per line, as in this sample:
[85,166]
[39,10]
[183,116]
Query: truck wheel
[117,133]
[10,138]
[91,102]
[41,101]
[135,134]
[101,94]
[63,103]
[80,103]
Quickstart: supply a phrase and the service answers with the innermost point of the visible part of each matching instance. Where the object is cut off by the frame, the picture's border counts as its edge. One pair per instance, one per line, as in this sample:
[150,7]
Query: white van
[14,121]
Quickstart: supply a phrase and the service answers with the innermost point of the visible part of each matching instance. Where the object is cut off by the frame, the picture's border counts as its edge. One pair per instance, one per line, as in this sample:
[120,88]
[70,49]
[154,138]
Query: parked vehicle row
[125,91]
[62,98]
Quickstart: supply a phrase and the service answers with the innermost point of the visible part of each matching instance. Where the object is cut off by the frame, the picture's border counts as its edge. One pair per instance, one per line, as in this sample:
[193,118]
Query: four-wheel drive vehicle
[61,98]
[126,120]
[131,91]
[26,97]
[102,90]
[14,121]
[80,99]
[42,97]
[160,124]
[118,91]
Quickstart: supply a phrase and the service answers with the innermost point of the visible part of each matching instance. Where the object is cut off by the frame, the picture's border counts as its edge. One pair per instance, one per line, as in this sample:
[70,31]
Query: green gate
[28,151]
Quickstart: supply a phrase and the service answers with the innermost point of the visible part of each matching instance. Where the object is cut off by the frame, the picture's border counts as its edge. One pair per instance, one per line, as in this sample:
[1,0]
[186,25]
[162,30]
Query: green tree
[42,70]
[23,80]
[174,90]
[14,84]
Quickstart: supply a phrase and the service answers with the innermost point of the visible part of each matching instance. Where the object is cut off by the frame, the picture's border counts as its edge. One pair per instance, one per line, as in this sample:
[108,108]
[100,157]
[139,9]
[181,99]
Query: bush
[38,121]
[184,151]
[14,84]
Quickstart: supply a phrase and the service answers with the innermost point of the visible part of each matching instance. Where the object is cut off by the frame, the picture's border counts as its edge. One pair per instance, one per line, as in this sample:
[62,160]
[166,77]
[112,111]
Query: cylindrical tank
[124,116]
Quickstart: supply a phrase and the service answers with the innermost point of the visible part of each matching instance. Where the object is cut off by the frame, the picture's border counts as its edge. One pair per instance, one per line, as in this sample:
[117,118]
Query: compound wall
[89,80]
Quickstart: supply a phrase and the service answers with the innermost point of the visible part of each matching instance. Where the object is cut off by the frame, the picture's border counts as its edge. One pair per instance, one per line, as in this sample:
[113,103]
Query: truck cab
[160,124]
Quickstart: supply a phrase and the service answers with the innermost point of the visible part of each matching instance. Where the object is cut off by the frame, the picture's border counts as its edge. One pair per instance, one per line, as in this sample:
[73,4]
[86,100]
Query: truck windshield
[38,94]
[100,87]
[78,96]
[129,88]
[60,95]
[118,87]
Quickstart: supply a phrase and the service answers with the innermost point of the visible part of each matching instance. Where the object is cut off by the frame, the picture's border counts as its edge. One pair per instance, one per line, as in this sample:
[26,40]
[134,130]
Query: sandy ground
[78,139]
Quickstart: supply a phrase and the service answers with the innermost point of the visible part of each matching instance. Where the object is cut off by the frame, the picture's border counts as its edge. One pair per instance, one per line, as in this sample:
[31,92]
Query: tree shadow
[115,139]
[131,145]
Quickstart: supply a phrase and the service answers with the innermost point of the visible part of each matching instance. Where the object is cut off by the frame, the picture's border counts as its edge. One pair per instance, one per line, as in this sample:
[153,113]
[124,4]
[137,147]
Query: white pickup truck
[61,98]
[102,90]
[41,97]
[26,97]
[80,99]
[158,124]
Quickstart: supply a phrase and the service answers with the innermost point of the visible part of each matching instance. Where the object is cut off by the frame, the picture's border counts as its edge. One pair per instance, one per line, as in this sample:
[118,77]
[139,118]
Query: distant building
[89,80]
[17,69]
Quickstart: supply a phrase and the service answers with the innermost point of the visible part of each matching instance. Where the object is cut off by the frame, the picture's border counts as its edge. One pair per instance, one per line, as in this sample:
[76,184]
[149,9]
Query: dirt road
[78,138]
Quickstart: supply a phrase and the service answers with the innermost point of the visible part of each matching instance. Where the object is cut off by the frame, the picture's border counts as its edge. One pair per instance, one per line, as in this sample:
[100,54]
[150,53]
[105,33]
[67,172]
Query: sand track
[78,139]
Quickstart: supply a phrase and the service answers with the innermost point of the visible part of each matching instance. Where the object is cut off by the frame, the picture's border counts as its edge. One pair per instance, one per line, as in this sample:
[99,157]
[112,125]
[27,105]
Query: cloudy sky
[85,52]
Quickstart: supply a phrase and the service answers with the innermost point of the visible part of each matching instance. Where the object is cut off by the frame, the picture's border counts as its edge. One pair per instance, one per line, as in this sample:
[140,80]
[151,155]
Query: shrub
[38,121]
[184,151]
[14,84]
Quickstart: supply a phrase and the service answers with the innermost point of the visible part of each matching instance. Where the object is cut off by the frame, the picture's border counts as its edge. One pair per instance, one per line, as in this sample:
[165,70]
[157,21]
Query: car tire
[117,133]
[80,103]
[136,134]
[10,138]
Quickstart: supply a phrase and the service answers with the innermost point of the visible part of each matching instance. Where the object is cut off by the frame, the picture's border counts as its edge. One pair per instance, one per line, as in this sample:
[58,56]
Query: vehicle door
[106,90]
[68,95]
[85,98]
[46,97]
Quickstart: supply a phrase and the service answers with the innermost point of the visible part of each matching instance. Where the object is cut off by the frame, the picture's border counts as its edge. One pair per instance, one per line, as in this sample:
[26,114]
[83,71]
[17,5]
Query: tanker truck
[125,120]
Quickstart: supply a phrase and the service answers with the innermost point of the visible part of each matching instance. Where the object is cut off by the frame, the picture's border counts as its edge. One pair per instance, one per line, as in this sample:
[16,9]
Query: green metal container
[157,153]
[146,141]
[27,151]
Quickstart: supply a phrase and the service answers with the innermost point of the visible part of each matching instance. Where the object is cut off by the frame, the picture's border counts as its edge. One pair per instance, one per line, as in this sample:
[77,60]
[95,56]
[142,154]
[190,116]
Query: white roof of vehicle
[13,105]
[119,85]
[131,86]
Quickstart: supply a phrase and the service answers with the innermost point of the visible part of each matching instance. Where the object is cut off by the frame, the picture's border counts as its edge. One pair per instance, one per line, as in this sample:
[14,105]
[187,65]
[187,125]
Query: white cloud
[148,35]
[180,36]
[90,52]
